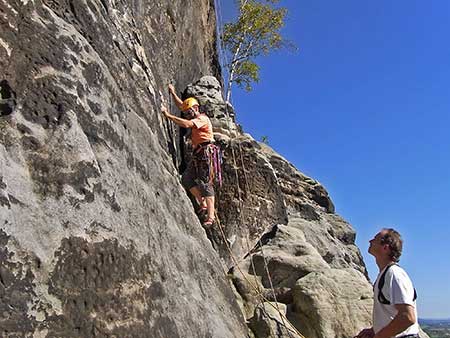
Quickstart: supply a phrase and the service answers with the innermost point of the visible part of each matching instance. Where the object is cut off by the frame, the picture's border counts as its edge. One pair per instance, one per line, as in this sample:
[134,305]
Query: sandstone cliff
[99,239]
[288,251]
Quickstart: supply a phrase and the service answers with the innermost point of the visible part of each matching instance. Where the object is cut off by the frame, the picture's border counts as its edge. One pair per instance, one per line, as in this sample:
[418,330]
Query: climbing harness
[211,154]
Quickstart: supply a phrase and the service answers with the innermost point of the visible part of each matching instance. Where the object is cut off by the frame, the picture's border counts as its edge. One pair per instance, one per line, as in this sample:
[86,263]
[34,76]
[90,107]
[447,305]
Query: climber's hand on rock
[165,111]
[171,88]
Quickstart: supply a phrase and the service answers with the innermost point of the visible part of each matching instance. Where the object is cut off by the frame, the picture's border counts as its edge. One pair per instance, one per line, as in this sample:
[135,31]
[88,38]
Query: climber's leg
[210,206]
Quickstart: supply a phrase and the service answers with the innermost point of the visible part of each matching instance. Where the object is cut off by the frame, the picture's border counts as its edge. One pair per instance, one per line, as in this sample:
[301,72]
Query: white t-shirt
[398,289]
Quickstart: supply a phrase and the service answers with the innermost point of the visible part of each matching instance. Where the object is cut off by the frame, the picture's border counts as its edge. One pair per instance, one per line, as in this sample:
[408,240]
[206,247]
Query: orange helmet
[189,103]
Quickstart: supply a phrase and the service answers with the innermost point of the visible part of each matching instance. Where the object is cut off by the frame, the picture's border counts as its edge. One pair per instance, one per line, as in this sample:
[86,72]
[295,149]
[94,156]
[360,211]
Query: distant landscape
[436,328]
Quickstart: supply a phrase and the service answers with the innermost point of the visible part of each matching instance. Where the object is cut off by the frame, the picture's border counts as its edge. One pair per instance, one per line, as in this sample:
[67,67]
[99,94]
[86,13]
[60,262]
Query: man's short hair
[392,238]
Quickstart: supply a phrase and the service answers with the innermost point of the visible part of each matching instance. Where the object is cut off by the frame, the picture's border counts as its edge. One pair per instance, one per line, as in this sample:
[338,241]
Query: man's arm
[178,120]
[178,101]
[405,318]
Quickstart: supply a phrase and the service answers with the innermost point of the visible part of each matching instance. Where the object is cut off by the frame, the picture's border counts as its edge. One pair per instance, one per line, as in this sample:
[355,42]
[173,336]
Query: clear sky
[364,108]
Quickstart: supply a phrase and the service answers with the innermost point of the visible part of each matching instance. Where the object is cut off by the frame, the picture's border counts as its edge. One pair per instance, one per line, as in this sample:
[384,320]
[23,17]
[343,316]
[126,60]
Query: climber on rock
[197,178]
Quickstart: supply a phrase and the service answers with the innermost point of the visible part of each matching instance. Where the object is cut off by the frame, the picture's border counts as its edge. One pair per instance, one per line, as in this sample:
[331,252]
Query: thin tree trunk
[232,64]
[232,71]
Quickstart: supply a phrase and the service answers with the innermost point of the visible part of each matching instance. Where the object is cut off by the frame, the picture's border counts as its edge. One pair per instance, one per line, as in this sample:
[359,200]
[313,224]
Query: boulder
[333,303]
[287,257]
[269,321]
[332,237]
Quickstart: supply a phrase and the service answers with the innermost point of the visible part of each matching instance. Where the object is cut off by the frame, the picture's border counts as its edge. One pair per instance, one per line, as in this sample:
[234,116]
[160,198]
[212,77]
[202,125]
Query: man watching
[394,308]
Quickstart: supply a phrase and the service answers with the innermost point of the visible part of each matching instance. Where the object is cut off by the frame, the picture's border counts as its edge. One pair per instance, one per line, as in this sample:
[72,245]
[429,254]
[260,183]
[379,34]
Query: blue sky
[364,108]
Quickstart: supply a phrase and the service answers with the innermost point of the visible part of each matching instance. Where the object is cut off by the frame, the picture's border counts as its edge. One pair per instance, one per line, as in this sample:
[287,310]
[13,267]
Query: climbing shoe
[202,213]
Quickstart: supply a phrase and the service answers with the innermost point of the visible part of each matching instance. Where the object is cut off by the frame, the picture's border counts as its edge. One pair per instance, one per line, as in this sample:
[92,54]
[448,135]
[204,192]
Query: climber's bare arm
[178,101]
[178,120]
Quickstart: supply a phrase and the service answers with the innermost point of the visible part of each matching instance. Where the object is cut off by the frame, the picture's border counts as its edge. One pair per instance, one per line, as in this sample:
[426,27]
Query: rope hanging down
[224,61]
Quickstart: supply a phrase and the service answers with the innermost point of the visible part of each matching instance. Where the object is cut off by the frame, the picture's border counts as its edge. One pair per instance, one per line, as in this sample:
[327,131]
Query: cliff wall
[98,238]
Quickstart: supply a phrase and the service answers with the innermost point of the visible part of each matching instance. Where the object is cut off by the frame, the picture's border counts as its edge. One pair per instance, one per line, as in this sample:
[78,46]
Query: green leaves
[255,32]
[246,72]
[265,139]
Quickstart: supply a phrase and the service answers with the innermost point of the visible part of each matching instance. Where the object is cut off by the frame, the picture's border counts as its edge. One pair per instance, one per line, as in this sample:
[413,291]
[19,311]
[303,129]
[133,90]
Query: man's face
[190,113]
[376,248]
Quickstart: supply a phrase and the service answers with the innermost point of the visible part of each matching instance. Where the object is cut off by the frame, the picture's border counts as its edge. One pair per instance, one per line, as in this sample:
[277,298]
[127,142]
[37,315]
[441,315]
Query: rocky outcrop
[332,303]
[278,231]
[99,239]
[281,237]
[269,322]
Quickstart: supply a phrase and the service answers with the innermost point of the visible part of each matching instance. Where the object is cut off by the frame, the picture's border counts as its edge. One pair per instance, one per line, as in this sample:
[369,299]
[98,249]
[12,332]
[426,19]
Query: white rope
[223,57]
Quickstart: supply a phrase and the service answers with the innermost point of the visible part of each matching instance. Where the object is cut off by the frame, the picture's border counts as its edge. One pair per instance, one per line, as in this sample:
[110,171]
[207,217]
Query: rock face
[341,299]
[99,239]
[267,321]
[91,241]
[281,238]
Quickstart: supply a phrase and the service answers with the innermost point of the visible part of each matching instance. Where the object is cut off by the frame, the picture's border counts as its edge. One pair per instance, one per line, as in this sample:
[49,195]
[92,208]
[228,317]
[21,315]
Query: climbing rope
[171,130]
[266,267]
[259,292]
[224,60]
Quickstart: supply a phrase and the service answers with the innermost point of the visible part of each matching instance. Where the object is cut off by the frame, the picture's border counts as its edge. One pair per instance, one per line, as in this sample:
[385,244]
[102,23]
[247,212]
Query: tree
[255,32]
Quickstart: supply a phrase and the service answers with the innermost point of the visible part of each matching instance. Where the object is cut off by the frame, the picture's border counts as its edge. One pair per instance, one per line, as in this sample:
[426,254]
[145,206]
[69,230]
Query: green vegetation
[255,32]
[437,332]
[265,139]
[436,328]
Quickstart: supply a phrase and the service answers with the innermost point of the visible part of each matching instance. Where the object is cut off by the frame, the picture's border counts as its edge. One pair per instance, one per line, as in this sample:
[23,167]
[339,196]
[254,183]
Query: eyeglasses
[378,240]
